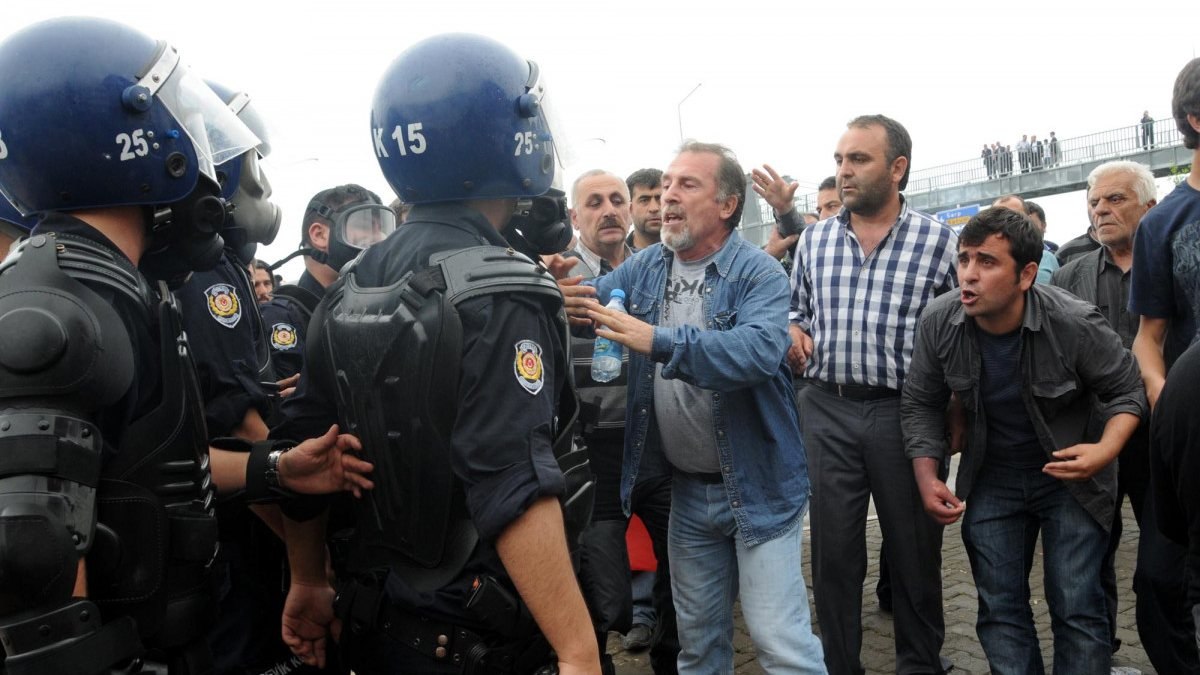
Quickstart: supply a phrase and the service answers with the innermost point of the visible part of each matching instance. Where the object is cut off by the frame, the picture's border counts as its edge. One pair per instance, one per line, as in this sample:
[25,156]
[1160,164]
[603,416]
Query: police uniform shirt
[285,323]
[143,393]
[508,391]
[221,318]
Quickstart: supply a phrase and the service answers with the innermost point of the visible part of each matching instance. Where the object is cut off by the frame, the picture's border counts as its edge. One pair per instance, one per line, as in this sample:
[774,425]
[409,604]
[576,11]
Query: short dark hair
[828,184]
[325,202]
[647,178]
[731,179]
[1186,101]
[899,142]
[1035,209]
[1024,239]
[261,265]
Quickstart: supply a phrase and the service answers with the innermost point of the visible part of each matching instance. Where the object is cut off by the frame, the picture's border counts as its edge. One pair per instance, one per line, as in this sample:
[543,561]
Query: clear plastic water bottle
[606,357]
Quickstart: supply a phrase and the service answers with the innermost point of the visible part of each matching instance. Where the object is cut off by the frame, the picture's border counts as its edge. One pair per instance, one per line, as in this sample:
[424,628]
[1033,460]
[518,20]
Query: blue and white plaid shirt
[862,311]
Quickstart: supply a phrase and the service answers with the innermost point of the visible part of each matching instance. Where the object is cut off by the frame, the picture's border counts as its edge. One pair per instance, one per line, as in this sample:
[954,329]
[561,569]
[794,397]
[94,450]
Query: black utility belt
[438,640]
[856,392]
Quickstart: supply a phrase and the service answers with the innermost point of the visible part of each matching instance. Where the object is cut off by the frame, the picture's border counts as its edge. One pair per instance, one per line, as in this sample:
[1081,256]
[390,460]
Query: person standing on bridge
[1147,130]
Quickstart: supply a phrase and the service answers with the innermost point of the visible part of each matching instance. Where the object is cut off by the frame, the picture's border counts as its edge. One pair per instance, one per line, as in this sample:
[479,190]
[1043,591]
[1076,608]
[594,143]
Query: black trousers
[1164,617]
[604,561]
[855,452]
[1133,479]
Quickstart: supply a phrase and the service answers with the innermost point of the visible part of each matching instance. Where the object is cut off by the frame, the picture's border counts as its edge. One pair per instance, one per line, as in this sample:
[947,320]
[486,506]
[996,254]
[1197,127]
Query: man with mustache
[601,214]
[861,281]
[1119,194]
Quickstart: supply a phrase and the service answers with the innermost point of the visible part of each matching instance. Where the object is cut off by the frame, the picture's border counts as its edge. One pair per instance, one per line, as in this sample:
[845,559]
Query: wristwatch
[273,467]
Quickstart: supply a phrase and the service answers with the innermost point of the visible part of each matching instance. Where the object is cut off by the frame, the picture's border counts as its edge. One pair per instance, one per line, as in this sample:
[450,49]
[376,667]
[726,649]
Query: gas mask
[254,219]
[540,225]
[355,228]
[185,236]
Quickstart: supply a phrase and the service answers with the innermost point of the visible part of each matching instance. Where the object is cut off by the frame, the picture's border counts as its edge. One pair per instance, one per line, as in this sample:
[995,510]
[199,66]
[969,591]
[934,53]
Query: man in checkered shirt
[860,283]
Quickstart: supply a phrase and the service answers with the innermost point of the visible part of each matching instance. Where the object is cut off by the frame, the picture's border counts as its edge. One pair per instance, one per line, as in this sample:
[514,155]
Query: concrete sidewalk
[961,646]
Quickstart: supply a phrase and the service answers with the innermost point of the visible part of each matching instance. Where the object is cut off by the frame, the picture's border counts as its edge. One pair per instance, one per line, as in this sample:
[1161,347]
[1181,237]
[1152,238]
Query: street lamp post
[679,109]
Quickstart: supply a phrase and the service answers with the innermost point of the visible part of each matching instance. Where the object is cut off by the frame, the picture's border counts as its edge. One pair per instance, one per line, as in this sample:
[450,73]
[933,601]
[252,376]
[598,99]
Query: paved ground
[962,646]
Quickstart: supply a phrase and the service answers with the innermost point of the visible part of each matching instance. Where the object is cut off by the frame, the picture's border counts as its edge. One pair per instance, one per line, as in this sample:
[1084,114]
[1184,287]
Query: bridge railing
[1110,144]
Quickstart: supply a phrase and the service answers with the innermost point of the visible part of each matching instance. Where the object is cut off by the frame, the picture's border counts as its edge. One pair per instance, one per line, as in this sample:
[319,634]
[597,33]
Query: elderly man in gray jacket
[1119,194]
[1029,365]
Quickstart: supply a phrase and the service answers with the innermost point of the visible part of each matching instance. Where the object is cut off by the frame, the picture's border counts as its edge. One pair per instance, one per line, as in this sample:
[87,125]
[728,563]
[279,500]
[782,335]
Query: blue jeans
[711,566]
[1005,511]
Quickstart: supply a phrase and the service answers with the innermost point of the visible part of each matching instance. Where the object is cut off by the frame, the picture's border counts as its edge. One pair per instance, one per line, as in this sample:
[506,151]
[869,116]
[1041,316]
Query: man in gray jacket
[1119,194]
[1029,464]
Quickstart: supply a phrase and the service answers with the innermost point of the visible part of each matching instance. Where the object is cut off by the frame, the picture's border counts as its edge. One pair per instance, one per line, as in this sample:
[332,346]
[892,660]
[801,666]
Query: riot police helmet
[462,117]
[95,114]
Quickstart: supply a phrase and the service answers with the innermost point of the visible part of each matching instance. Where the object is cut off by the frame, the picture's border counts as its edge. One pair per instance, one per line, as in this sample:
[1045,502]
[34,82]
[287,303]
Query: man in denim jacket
[709,389]
[1030,365]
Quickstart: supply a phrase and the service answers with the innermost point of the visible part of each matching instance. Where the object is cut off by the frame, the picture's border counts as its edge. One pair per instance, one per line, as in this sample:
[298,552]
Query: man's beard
[870,197]
[678,241]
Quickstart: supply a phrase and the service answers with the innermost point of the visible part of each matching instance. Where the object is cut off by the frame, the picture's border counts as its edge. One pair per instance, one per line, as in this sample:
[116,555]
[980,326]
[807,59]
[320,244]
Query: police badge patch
[224,305]
[283,336]
[528,366]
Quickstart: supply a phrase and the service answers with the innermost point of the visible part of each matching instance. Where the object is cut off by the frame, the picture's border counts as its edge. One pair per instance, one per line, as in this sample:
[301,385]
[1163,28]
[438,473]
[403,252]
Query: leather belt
[856,392]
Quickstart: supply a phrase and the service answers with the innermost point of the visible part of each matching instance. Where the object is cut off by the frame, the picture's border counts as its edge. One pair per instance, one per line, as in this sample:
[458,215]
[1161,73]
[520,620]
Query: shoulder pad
[90,262]
[57,336]
[486,270]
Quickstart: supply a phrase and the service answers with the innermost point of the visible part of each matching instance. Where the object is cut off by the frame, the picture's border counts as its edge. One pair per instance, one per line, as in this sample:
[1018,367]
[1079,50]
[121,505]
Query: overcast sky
[779,80]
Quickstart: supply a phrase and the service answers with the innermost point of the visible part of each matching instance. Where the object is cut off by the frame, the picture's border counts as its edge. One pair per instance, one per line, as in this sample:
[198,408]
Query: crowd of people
[401,463]
[1031,154]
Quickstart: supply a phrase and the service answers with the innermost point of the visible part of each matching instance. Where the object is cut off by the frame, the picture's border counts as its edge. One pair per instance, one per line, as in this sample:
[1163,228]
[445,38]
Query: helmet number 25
[407,140]
[524,143]
[133,145]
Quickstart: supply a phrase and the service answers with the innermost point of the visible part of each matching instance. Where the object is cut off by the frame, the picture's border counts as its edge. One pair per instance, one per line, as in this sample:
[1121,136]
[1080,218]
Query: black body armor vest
[143,514]
[392,355]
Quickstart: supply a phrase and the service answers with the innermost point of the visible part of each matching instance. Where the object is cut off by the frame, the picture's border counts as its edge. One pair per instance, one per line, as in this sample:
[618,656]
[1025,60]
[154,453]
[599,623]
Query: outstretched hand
[623,328]
[559,265]
[577,300]
[326,464]
[773,188]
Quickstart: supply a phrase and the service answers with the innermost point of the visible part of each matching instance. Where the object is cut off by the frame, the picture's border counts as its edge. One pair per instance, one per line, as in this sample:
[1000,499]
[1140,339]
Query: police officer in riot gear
[232,362]
[446,351]
[106,486]
[338,223]
[106,523]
